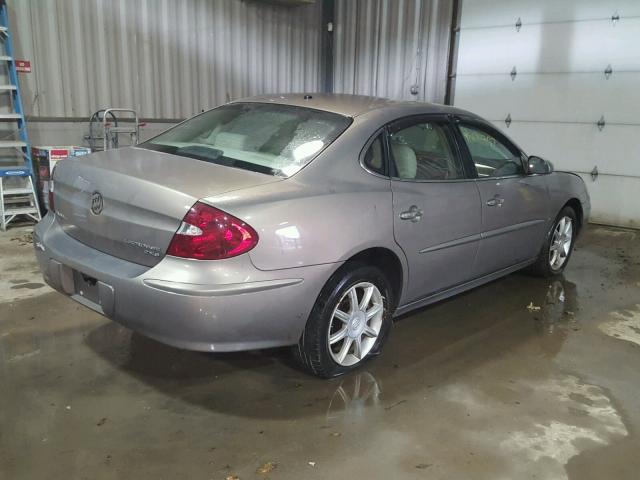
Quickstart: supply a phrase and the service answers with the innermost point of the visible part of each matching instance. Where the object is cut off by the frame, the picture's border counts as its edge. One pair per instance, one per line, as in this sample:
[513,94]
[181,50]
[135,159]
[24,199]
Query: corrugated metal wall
[385,48]
[166,58]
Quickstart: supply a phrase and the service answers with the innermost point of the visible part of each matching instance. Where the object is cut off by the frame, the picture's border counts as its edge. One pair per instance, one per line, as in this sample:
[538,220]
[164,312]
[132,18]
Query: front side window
[422,151]
[266,138]
[492,157]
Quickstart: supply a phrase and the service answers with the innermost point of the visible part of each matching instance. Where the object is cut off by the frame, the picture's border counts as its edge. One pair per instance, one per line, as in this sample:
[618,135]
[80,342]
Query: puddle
[355,396]
[23,356]
[557,317]
[29,286]
[558,311]
[624,325]
[539,442]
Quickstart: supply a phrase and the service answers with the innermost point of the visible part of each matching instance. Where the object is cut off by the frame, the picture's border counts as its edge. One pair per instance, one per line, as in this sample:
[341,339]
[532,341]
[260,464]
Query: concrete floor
[477,387]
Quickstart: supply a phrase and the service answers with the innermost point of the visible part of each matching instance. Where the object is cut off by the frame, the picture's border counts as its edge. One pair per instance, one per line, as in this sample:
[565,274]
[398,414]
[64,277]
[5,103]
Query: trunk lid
[129,202]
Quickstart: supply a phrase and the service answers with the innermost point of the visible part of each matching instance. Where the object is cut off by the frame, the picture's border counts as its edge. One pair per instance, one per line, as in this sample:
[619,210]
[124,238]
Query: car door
[514,205]
[436,204]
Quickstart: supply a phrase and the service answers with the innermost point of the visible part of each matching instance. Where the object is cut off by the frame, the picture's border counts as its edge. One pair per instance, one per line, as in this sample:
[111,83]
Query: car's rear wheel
[557,249]
[349,322]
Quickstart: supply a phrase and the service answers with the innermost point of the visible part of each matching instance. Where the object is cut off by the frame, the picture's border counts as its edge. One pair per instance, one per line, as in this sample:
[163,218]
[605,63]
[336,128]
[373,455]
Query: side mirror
[539,166]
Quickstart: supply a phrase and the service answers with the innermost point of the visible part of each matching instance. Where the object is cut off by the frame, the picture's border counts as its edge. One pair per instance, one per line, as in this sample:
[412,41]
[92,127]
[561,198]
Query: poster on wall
[23,66]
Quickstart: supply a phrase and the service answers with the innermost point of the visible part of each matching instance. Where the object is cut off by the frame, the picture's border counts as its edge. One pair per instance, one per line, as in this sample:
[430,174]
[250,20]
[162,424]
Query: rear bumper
[197,305]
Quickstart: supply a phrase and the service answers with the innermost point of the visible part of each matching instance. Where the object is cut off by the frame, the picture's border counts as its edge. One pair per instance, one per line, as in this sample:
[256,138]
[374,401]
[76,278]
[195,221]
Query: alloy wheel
[355,324]
[561,243]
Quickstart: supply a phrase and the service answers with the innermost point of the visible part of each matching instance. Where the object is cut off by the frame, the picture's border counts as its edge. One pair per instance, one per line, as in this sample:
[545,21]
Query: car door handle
[414,214]
[496,201]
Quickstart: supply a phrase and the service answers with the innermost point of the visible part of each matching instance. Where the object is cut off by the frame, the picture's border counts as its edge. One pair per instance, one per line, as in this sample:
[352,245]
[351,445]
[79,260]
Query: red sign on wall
[23,66]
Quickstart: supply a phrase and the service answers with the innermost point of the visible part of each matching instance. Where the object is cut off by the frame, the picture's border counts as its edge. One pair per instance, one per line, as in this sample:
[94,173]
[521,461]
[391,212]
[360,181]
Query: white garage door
[562,78]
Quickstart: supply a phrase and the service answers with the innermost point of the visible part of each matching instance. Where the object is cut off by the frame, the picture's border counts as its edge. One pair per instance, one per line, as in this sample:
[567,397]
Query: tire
[314,354]
[544,265]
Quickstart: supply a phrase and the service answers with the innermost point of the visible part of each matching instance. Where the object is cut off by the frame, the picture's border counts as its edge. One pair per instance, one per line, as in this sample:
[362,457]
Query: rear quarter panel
[305,225]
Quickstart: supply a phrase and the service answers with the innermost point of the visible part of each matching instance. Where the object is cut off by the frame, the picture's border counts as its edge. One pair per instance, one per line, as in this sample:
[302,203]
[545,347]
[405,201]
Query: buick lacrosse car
[304,220]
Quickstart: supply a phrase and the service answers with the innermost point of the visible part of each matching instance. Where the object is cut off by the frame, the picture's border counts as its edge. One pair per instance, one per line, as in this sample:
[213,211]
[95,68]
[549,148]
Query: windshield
[267,138]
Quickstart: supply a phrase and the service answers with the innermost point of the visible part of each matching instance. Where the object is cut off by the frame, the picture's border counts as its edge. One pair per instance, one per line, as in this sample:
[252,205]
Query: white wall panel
[580,147]
[383,48]
[490,13]
[622,209]
[560,91]
[587,46]
[165,58]
[573,97]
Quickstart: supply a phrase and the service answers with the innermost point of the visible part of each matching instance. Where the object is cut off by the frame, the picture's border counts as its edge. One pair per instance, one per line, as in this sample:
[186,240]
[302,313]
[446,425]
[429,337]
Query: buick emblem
[96,203]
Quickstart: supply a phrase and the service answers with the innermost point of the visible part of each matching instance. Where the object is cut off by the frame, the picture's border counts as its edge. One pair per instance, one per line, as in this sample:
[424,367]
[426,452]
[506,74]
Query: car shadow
[427,348]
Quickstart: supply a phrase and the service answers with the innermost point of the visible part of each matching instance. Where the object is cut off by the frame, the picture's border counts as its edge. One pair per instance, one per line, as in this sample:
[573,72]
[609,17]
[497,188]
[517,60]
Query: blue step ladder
[17,188]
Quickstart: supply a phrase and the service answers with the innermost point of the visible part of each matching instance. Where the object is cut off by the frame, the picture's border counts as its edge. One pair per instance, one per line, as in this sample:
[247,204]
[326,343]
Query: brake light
[207,233]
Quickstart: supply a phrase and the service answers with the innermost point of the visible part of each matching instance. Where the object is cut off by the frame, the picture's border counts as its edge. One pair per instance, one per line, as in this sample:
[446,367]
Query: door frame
[487,127]
[453,135]
[447,121]
[444,120]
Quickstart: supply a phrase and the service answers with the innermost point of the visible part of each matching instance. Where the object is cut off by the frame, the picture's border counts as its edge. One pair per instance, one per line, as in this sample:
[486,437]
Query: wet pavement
[521,378]
[19,274]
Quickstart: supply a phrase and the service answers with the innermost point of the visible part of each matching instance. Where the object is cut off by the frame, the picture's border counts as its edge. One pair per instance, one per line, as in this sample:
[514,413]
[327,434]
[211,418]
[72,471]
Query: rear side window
[423,151]
[492,157]
[374,157]
[267,138]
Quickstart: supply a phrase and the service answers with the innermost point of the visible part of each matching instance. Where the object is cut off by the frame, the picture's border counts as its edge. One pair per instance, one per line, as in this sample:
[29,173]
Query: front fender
[565,186]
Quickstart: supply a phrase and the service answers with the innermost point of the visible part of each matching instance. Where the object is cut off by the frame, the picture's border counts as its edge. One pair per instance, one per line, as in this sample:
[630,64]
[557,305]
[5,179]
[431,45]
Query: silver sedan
[303,220]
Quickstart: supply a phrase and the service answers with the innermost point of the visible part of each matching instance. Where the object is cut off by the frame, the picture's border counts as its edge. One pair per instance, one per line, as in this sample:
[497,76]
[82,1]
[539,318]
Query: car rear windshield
[267,138]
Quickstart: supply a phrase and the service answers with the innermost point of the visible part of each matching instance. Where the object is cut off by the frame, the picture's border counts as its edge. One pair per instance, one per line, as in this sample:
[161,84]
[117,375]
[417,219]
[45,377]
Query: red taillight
[207,233]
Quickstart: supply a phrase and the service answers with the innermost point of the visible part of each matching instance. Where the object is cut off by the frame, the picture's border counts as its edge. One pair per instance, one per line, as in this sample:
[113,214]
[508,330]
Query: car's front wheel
[349,322]
[558,246]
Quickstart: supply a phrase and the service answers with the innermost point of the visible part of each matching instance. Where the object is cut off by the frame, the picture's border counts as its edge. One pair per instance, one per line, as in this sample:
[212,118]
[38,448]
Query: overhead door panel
[581,147]
[561,79]
[550,47]
[573,97]
[484,13]
[621,208]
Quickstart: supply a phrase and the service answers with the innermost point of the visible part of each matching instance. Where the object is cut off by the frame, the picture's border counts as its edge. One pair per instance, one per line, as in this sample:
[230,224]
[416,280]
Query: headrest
[405,158]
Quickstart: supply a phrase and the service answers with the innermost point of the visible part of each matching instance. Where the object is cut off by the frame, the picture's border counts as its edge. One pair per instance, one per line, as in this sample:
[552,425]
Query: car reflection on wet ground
[520,377]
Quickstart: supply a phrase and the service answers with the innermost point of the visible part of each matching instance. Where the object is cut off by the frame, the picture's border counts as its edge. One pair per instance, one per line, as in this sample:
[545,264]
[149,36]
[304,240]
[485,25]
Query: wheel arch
[388,262]
[576,205]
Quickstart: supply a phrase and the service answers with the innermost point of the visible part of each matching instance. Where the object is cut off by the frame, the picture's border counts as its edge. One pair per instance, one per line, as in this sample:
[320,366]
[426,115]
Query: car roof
[350,105]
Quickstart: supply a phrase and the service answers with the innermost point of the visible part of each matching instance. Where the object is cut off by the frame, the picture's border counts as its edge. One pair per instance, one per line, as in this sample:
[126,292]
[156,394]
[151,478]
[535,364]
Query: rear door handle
[496,201]
[414,214]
